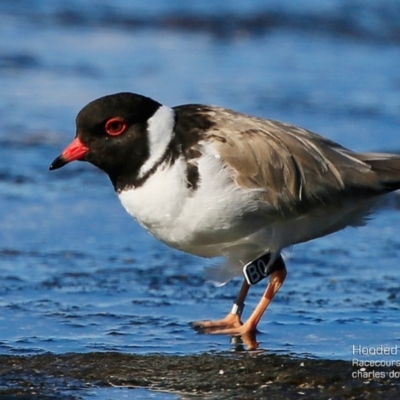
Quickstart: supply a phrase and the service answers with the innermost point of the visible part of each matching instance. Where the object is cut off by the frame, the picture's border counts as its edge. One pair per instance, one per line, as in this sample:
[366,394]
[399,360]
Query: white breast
[157,203]
[202,221]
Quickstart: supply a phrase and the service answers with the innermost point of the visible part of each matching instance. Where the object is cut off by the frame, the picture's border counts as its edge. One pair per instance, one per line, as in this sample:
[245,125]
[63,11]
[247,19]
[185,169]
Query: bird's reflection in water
[247,342]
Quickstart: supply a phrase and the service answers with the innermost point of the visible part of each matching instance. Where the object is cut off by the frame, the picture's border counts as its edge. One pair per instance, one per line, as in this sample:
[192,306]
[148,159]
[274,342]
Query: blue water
[77,274]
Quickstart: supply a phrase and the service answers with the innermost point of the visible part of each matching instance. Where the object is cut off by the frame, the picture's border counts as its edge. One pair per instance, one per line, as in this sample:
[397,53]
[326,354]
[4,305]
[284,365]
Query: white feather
[160,128]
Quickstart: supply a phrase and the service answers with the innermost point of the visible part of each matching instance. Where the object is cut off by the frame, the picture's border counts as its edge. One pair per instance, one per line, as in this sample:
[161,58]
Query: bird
[214,182]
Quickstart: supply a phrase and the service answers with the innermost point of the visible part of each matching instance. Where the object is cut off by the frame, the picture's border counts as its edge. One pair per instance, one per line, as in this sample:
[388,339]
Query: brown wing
[295,168]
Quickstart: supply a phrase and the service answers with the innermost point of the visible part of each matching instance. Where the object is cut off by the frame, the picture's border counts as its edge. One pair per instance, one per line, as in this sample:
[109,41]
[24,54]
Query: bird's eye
[115,126]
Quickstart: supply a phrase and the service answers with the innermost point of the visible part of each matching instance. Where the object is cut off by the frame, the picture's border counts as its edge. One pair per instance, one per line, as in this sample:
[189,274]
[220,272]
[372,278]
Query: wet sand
[211,376]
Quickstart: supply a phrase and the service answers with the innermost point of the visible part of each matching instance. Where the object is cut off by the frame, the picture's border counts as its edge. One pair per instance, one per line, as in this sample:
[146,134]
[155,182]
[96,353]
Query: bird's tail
[387,168]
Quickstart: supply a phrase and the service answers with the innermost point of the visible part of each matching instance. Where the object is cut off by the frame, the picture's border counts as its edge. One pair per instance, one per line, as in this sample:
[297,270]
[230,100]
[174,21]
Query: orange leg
[232,324]
[275,282]
[232,320]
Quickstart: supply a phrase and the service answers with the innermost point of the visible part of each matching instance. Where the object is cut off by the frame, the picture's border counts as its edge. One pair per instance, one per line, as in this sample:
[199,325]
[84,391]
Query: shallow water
[78,275]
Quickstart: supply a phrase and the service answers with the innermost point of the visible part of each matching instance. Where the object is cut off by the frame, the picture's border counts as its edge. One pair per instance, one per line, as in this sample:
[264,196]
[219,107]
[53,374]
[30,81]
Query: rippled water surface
[78,275]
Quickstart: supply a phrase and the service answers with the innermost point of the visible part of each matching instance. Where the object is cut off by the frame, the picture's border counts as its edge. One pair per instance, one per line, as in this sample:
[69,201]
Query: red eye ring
[115,126]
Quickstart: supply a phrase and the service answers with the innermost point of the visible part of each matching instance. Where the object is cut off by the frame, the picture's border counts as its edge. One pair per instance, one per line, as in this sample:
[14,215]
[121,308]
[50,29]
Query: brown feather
[295,169]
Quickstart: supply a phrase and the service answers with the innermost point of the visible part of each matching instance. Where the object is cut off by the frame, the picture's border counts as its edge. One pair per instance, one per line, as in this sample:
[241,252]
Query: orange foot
[232,326]
[231,321]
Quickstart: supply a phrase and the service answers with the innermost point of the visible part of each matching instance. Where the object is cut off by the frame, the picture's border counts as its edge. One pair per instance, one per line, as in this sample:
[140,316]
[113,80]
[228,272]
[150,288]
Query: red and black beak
[76,150]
